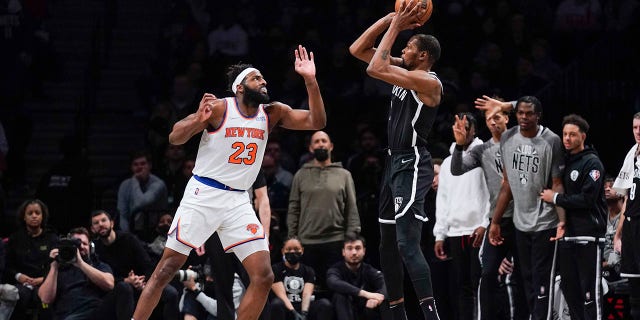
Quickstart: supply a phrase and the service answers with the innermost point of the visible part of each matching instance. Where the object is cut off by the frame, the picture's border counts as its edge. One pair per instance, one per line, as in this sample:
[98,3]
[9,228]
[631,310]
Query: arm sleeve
[336,284]
[589,192]
[460,164]
[351,208]
[293,215]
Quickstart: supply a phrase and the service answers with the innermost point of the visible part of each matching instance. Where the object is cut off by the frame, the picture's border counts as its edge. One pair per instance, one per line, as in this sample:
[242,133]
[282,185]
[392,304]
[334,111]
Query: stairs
[106,114]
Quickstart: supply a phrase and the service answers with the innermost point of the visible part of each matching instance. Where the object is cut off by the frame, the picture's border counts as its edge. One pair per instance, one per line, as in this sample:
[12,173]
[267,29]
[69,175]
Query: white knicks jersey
[232,154]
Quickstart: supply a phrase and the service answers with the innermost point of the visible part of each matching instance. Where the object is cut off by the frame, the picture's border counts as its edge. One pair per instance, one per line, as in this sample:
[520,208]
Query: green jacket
[322,204]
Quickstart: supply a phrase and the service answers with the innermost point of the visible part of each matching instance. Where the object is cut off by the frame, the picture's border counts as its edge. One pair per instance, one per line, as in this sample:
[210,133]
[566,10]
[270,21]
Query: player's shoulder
[509,134]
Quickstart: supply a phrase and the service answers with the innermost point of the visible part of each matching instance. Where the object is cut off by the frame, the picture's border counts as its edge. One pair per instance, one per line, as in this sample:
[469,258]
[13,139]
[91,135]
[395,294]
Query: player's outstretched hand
[304,64]
[491,106]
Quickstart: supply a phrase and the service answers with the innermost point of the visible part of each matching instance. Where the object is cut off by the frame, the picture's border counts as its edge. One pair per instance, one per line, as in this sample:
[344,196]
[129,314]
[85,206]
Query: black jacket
[341,279]
[584,199]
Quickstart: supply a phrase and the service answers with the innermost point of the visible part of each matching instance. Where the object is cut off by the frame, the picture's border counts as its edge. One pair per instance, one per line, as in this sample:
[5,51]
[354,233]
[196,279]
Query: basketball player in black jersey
[409,173]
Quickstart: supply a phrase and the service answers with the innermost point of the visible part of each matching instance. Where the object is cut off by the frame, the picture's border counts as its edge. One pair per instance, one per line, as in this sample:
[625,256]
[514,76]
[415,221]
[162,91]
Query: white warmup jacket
[462,203]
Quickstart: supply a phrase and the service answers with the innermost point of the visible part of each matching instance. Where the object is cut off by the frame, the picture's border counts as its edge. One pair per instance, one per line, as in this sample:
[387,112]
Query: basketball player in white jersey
[234,135]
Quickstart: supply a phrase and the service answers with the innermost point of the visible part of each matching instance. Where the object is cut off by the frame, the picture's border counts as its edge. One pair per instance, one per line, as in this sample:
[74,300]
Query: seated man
[131,266]
[293,287]
[76,281]
[358,288]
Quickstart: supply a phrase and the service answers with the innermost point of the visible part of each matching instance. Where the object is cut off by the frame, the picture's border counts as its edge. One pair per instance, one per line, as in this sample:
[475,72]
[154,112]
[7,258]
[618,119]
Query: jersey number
[251,148]
[632,192]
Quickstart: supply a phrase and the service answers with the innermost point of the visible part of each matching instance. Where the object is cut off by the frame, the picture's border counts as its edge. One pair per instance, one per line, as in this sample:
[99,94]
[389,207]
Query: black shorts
[408,176]
[630,260]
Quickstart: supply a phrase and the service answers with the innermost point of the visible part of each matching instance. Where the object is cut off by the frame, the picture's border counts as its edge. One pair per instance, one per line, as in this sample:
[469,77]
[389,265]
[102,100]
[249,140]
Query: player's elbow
[374,71]
[355,50]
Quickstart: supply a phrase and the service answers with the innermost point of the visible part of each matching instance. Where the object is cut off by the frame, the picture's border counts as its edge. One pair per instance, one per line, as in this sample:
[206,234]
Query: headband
[240,77]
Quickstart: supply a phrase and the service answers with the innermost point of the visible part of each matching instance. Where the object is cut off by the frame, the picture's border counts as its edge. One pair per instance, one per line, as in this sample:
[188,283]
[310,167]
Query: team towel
[624,181]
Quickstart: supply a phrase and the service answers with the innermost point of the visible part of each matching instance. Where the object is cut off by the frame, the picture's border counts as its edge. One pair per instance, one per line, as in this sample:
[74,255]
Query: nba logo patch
[398,203]
[574,175]
[253,228]
[594,174]
[196,191]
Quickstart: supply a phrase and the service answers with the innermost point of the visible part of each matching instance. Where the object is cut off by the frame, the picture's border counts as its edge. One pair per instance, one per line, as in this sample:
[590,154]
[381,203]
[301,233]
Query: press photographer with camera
[77,280]
[197,302]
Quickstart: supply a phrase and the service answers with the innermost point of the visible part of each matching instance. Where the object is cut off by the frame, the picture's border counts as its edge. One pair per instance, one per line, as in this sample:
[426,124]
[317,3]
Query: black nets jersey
[633,203]
[410,121]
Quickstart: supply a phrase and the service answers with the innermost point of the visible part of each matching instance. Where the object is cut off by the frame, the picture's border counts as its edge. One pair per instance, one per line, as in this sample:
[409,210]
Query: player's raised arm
[363,48]
[209,111]
[315,118]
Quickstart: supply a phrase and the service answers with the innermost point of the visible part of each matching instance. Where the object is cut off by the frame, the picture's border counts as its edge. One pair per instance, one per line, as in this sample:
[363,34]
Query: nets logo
[196,191]
[398,203]
[253,228]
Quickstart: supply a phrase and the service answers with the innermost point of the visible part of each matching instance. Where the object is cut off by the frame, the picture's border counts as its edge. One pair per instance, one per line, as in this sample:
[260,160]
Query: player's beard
[254,97]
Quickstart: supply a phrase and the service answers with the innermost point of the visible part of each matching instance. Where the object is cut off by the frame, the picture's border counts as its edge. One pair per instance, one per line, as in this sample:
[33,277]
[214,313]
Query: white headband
[240,77]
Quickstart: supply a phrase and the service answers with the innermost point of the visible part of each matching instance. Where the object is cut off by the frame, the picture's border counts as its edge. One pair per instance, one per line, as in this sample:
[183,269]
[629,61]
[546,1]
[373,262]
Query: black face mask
[163,229]
[321,154]
[293,257]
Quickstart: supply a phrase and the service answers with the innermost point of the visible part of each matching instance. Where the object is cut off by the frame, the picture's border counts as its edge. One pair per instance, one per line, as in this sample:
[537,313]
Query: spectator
[67,188]
[586,209]
[157,245]
[141,197]
[131,267]
[293,287]
[322,207]
[462,215]
[76,284]
[358,288]
[28,254]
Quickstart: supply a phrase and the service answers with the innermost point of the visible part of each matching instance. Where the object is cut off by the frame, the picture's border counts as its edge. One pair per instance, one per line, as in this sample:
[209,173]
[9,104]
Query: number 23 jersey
[232,153]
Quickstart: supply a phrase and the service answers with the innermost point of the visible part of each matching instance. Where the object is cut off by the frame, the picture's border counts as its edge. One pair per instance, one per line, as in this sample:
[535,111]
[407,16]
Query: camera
[67,248]
[195,273]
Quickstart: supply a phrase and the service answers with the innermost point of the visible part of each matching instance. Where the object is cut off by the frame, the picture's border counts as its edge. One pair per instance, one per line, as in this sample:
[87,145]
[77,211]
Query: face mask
[292,257]
[163,229]
[321,154]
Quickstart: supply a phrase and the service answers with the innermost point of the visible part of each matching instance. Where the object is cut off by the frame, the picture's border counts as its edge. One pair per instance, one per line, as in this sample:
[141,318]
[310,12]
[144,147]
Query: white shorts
[205,210]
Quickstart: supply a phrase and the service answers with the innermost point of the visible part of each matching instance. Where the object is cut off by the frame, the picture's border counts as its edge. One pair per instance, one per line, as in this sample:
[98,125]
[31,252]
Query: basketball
[427,4]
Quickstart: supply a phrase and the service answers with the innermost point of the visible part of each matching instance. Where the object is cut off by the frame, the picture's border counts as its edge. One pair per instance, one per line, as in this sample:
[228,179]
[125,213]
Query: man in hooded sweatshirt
[322,207]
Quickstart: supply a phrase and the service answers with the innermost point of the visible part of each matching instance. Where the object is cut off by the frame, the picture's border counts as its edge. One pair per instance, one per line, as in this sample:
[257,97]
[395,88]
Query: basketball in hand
[423,4]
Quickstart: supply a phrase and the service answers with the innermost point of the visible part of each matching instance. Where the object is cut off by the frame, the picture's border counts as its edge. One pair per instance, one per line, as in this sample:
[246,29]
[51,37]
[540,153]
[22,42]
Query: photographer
[196,301]
[76,281]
